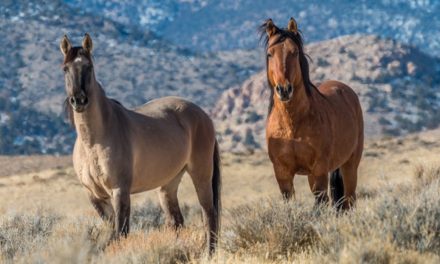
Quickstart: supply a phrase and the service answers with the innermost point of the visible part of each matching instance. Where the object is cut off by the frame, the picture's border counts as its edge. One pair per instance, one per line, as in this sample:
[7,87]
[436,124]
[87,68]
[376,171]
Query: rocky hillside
[211,25]
[399,88]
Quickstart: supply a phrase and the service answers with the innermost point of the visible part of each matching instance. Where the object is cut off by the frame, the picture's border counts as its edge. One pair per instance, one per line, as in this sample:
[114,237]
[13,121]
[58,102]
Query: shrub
[22,233]
[271,228]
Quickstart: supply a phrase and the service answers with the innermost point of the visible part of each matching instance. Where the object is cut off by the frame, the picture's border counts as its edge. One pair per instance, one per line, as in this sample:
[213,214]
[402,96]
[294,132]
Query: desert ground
[46,216]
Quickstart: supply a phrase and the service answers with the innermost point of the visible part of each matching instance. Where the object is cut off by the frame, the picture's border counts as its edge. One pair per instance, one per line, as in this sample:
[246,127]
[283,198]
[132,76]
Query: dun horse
[310,131]
[119,152]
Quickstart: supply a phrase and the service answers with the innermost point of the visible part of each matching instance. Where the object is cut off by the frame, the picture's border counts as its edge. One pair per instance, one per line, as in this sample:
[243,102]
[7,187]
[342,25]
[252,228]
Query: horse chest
[95,168]
[93,172]
[297,153]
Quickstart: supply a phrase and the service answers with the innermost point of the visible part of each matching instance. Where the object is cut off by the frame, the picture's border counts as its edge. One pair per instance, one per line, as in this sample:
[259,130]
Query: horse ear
[270,27]
[292,26]
[65,45]
[87,43]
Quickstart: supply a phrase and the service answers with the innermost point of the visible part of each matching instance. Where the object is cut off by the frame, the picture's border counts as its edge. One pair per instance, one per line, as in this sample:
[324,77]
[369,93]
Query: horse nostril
[289,88]
[278,89]
[72,100]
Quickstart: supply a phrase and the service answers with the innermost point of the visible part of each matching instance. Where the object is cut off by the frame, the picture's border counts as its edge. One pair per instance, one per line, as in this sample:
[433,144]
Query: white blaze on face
[78,59]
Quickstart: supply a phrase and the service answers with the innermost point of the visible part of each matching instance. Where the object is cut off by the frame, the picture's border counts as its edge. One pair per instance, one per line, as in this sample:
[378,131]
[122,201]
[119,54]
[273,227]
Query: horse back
[178,111]
[341,99]
[337,90]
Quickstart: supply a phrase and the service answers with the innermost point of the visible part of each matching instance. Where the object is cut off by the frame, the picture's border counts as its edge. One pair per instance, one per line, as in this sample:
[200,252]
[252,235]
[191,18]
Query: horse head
[78,72]
[287,64]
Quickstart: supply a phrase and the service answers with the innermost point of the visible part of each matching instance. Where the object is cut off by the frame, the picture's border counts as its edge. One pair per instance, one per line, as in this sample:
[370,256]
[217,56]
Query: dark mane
[68,112]
[303,57]
[75,52]
[71,56]
[116,101]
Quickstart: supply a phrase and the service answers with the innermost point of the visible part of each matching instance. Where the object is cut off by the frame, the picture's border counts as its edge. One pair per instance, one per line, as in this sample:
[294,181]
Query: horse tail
[217,183]
[337,188]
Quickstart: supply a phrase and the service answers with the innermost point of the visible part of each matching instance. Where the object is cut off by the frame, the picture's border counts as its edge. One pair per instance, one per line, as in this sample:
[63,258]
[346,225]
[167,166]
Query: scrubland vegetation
[392,223]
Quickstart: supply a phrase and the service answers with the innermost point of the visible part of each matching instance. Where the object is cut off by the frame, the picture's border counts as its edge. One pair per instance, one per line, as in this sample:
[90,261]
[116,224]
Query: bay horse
[119,152]
[310,131]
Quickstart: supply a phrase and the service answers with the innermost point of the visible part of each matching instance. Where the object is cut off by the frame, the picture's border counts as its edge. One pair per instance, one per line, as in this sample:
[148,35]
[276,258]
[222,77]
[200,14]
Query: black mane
[303,57]
[68,112]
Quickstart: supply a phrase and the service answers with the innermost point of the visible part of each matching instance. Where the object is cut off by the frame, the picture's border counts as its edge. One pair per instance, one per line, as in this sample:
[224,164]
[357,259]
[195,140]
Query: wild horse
[310,131]
[119,152]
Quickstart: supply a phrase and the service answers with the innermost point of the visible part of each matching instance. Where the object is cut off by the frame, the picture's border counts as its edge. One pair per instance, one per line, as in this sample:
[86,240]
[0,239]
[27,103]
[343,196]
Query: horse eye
[269,55]
[65,68]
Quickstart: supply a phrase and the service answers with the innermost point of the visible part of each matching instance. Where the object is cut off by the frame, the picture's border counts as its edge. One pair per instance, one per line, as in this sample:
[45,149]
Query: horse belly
[161,177]
[157,168]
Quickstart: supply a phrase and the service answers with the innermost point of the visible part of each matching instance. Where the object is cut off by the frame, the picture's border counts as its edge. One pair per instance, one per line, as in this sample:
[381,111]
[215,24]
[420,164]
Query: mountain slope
[231,24]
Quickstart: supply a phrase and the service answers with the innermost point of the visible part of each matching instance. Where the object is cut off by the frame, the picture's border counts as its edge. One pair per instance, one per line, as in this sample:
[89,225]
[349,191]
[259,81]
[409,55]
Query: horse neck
[292,112]
[91,124]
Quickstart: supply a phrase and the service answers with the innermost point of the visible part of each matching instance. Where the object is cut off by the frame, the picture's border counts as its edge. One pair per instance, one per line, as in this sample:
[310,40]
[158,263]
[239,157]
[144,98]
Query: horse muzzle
[79,102]
[284,92]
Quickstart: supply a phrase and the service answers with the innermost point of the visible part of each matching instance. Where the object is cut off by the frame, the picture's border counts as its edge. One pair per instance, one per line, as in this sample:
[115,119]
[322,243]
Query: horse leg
[121,207]
[349,176]
[103,207]
[285,182]
[169,202]
[319,185]
[337,189]
[202,180]
[286,188]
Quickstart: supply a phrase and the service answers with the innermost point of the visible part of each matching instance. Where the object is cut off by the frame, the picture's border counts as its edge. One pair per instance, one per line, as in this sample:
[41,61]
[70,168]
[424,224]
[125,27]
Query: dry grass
[396,219]
[396,226]
[158,246]
[12,165]
[271,229]
[426,175]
